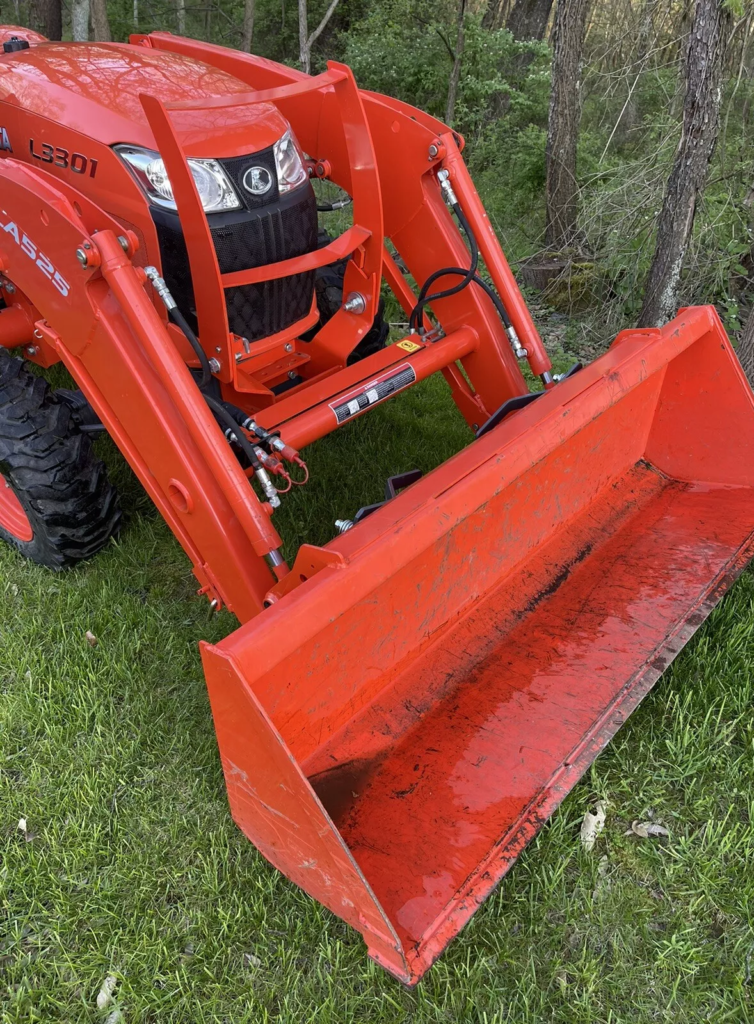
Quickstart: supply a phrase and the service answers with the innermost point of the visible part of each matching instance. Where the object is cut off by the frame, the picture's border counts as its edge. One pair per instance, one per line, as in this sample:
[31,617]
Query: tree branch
[322,25]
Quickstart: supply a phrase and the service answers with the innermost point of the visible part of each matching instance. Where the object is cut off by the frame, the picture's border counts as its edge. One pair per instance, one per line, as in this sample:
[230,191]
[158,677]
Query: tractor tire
[57,506]
[328,284]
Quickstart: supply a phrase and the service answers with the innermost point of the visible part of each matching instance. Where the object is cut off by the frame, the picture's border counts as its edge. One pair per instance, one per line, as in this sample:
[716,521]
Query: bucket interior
[441,712]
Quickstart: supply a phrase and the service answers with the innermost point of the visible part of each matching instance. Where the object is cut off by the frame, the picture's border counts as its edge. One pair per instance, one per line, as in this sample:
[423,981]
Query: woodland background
[581,117]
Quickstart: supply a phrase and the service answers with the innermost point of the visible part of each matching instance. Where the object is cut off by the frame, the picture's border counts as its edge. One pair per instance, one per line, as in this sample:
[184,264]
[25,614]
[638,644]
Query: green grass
[132,865]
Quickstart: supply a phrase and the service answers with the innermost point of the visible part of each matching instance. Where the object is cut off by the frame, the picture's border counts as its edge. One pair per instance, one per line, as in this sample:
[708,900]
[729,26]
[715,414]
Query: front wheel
[57,506]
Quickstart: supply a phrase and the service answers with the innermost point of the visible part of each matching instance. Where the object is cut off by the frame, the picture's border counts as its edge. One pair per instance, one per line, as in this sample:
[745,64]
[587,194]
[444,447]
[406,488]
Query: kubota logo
[26,245]
[5,141]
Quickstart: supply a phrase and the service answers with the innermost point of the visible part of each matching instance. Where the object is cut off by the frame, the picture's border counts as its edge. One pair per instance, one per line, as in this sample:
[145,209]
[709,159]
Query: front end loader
[401,708]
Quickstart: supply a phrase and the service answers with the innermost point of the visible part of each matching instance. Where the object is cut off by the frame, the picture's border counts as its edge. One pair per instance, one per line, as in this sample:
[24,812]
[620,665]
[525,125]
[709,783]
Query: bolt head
[31,350]
[10,288]
[292,375]
[214,365]
[123,242]
[433,151]
[355,303]
[288,347]
[82,257]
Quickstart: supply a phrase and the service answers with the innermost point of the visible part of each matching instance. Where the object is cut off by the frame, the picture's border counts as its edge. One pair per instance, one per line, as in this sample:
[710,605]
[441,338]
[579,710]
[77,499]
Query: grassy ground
[131,866]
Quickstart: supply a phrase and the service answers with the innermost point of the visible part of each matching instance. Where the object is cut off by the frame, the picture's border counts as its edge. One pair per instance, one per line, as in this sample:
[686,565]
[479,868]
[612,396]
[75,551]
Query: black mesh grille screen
[269,234]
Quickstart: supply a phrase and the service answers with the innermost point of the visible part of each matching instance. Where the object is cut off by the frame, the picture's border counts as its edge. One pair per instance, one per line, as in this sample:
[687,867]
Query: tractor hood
[94,89]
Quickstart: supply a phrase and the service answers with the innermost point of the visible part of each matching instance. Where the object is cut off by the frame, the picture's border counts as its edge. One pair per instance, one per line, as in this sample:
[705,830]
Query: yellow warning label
[409,346]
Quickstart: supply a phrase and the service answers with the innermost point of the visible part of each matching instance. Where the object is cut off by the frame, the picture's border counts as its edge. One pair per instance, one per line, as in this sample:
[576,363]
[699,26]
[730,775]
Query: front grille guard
[363,241]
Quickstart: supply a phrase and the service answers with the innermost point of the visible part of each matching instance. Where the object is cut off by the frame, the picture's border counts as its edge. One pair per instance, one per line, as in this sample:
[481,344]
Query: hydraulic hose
[415,320]
[221,413]
[424,299]
[180,321]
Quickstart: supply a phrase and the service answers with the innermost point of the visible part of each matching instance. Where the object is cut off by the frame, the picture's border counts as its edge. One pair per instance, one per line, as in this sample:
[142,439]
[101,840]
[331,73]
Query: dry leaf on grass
[91,639]
[647,830]
[105,994]
[22,827]
[593,823]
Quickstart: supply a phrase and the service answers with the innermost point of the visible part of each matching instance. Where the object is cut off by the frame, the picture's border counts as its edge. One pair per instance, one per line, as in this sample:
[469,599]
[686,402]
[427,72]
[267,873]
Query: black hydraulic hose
[476,279]
[221,413]
[246,446]
[180,321]
[424,299]
[497,301]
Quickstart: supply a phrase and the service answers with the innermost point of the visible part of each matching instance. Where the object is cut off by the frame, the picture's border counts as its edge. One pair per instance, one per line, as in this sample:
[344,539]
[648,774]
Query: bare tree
[247,32]
[80,21]
[701,117]
[529,18]
[100,22]
[563,122]
[455,74]
[180,16]
[306,41]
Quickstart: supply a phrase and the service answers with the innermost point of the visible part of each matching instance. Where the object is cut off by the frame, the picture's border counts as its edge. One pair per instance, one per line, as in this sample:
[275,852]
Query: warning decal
[375,391]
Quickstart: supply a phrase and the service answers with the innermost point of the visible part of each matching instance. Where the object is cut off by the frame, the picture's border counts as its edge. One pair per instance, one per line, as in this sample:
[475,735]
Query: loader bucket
[397,726]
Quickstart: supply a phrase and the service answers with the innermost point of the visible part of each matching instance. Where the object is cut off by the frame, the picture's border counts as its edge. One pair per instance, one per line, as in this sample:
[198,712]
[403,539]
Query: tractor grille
[284,227]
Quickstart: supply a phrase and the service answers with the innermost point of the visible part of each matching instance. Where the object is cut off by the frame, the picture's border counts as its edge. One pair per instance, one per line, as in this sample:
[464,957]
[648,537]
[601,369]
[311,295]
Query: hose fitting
[518,350]
[448,193]
[267,486]
[161,288]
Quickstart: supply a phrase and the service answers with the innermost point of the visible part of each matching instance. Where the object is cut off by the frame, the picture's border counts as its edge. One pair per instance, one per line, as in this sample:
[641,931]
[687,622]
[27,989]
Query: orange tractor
[401,708]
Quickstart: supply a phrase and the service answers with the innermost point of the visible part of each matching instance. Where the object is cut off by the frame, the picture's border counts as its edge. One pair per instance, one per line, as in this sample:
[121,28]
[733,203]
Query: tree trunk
[305,42]
[80,21]
[303,38]
[701,118]
[745,350]
[563,122]
[455,74]
[247,34]
[100,22]
[48,15]
[496,13]
[180,16]
[529,18]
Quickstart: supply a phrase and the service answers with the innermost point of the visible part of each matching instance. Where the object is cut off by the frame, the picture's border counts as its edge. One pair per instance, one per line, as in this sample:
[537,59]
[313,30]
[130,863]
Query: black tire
[328,284]
[51,468]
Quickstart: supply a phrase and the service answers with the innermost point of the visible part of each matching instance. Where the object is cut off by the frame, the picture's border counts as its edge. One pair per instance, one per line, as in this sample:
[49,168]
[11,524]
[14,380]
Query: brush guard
[398,726]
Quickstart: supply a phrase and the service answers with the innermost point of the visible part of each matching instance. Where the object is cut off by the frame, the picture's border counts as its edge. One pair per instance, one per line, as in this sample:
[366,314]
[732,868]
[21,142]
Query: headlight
[289,163]
[212,184]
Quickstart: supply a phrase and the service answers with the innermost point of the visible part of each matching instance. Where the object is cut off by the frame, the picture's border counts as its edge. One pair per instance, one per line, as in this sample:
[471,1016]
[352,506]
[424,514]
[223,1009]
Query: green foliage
[405,48]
